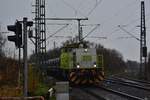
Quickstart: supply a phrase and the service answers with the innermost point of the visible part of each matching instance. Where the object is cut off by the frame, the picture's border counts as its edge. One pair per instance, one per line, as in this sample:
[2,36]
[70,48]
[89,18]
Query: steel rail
[121,93]
[128,84]
[139,82]
[93,94]
[136,80]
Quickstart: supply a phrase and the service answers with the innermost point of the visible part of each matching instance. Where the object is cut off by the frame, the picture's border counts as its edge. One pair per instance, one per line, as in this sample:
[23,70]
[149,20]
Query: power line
[130,23]
[57,31]
[57,24]
[116,14]
[98,37]
[127,37]
[60,36]
[73,8]
[120,10]
[89,24]
[91,31]
[129,33]
[95,6]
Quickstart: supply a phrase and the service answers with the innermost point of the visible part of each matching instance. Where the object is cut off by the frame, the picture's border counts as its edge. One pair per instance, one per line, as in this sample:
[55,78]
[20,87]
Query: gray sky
[108,13]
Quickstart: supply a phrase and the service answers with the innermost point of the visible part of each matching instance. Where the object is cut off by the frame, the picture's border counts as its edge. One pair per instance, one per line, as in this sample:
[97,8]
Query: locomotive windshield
[86,58]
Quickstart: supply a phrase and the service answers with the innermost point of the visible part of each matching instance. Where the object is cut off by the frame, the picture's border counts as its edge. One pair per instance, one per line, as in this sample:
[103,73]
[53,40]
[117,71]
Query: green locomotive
[78,65]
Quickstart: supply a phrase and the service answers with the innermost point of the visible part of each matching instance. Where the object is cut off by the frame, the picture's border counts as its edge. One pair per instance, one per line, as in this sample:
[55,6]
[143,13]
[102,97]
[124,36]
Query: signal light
[12,38]
[17,38]
[11,28]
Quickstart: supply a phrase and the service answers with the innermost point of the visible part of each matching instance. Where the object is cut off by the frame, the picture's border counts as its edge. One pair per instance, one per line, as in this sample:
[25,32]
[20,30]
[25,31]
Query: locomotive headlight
[78,66]
[85,50]
[95,64]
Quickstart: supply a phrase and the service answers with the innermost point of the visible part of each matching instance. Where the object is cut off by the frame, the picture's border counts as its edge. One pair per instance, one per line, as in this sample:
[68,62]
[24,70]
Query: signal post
[17,38]
[25,90]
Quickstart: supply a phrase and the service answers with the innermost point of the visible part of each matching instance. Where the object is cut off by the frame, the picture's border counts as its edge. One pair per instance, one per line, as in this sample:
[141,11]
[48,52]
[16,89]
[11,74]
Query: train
[78,64]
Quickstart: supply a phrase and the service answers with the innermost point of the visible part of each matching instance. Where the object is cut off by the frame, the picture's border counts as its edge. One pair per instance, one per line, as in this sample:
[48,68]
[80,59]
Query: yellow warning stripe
[74,78]
[100,77]
[78,81]
[84,81]
[97,81]
[72,73]
[103,73]
[90,81]
[82,70]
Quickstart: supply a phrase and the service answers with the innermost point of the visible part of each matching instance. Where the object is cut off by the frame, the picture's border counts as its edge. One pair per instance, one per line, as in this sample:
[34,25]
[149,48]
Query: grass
[10,91]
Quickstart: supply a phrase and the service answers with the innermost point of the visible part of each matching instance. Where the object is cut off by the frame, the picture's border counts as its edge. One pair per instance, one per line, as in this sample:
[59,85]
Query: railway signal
[17,38]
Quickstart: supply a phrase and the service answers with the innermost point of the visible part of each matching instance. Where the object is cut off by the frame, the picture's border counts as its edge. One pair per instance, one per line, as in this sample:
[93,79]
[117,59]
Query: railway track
[122,94]
[129,83]
[93,94]
[134,81]
[115,95]
[117,89]
[80,93]
[128,87]
[104,93]
[122,77]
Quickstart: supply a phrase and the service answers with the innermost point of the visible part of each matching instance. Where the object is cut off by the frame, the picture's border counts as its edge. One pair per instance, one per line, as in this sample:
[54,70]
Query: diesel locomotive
[78,65]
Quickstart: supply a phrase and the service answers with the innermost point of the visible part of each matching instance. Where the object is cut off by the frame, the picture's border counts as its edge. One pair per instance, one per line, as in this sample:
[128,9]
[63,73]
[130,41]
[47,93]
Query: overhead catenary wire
[127,37]
[138,19]
[58,24]
[73,8]
[128,5]
[97,3]
[118,12]
[95,6]
[57,31]
[89,24]
[98,37]
[91,31]
[129,24]
[129,33]
[122,26]
[60,36]
[50,9]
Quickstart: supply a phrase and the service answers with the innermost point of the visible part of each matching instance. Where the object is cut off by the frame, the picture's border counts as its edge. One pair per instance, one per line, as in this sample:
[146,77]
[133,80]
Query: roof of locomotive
[75,45]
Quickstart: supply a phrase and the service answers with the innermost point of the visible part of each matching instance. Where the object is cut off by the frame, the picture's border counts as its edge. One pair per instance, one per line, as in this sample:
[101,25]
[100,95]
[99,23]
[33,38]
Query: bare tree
[113,60]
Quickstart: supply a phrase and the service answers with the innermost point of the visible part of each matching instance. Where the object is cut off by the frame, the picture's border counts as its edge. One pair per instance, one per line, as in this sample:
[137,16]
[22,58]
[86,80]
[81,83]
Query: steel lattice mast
[143,48]
[40,31]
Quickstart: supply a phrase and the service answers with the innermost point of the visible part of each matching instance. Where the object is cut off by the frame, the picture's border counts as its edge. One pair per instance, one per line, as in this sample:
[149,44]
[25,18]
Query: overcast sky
[108,13]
